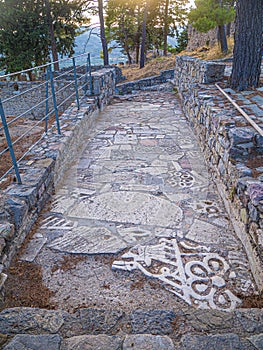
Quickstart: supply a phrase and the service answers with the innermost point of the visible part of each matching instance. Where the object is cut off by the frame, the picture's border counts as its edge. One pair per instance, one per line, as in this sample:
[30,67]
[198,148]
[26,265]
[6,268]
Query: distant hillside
[91,43]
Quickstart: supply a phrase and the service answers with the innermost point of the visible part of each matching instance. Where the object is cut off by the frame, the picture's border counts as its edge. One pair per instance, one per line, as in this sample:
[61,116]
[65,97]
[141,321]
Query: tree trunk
[52,36]
[102,34]
[166,28]
[129,56]
[137,53]
[228,29]
[143,43]
[137,45]
[126,45]
[222,38]
[248,45]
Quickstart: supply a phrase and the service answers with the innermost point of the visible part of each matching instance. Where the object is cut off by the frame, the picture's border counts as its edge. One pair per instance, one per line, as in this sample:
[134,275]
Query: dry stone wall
[22,96]
[145,83]
[197,40]
[230,147]
[20,205]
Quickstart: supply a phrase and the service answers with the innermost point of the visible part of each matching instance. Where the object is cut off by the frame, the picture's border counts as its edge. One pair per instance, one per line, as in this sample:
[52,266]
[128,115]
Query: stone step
[229,341]
[88,328]
[159,87]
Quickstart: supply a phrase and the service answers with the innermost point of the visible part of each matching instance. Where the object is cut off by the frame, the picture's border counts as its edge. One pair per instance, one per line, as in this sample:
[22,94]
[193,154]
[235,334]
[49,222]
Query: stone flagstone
[137,221]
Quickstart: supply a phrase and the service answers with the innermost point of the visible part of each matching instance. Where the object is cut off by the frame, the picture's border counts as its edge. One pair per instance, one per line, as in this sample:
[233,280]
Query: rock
[212,342]
[29,320]
[253,213]
[33,248]
[255,192]
[257,341]
[147,342]
[6,231]
[17,209]
[95,321]
[243,215]
[3,278]
[251,320]
[92,342]
[241,135]
[237,154]
[2,245]
[204,320]
[153,321]
[23,192]
[259,141]
[34,342]
[213,72]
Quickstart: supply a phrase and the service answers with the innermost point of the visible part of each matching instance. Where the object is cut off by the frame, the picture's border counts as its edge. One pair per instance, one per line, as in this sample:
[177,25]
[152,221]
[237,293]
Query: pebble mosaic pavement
[139,203]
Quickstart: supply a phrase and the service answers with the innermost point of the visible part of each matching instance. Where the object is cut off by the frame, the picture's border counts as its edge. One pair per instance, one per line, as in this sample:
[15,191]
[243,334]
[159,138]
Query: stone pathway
[141,214]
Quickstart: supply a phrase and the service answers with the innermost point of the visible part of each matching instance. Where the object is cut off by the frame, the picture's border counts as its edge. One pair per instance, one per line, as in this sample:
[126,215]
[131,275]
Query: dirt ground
[16,129]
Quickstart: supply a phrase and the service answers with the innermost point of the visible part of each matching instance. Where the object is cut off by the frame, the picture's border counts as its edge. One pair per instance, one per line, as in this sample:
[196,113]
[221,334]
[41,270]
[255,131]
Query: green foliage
[24,32]
[67,16]
[182,40]
[209,14]
[23,35]
[124,22]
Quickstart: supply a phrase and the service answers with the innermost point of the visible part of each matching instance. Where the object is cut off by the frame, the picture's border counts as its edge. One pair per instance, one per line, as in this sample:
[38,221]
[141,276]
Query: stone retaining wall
[25,96]
[198,40]
[20,205]
[232,148]
[142,84]
[22,101]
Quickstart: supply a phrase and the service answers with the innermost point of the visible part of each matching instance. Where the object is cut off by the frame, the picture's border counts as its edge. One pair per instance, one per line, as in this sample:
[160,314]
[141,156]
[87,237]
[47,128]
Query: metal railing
[28,109]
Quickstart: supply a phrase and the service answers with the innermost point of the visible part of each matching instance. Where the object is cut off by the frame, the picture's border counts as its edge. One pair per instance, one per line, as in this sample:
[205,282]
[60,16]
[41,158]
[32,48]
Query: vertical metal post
[46,120]
[89,73]
[76,81]
[85,87]
[54,97]
[9,143]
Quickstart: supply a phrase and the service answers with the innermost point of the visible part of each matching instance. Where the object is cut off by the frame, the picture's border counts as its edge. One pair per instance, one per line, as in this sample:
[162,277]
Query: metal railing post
[76,81]
[54,98]
[89,73]
[47,109]
[9,142]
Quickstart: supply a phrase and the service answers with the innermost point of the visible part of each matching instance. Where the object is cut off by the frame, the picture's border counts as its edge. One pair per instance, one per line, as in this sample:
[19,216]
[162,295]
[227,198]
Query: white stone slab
[88,240]
[188,271]
[33,248]
[203,232]
[129,207]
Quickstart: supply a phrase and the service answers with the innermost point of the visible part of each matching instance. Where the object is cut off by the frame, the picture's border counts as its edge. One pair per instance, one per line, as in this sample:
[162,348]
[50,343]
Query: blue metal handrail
[42,66]
[56,91]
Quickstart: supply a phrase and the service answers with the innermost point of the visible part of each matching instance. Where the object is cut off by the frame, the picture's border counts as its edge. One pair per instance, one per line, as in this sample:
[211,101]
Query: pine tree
[25,39]
[23,35]
[248,45]
[172,13]
[124,23]
[102,34]
[140,25]
[210,14]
